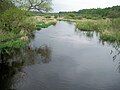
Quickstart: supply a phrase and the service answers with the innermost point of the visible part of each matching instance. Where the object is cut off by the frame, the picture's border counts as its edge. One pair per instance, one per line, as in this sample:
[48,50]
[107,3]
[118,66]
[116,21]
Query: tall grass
[115,24]
[109,28]
[41,25]
[91,25]
[42,21]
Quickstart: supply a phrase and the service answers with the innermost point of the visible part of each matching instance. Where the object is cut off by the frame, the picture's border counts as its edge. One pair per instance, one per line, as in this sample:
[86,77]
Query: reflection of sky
[75,5]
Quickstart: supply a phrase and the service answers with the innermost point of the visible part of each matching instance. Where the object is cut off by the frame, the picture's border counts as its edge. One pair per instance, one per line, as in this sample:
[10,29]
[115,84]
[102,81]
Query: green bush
[55,16]
[11,19]
[115,23]
[13,26]
[70,16]
[47,16]
[5,5]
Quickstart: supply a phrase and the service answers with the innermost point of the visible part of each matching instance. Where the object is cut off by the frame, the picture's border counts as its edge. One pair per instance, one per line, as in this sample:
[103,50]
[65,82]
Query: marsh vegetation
[106,21]
[80,47]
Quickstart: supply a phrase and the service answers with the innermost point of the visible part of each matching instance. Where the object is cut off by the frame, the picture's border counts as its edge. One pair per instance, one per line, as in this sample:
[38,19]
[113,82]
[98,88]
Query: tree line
[110,12]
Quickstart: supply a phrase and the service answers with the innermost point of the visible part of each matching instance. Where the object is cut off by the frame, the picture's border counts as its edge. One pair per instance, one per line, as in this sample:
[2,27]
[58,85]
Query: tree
[113,14]
[5,5]
[36,5]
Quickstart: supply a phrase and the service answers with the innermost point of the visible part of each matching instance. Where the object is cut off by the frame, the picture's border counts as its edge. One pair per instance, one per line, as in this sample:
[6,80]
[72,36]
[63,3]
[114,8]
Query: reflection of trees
[88,34]
[116,55]
[28,55]
[6,75]
[45,54]
[11,63]
[69,22]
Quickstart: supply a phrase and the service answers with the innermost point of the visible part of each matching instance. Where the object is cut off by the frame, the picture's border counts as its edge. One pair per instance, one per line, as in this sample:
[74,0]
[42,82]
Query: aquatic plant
[41,25]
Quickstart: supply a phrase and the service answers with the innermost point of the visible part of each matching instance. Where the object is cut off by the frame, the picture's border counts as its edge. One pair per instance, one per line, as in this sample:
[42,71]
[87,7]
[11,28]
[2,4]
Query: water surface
[64,58]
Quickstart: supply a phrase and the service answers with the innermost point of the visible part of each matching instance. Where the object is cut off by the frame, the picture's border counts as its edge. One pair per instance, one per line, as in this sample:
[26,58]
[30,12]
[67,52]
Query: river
[61,57]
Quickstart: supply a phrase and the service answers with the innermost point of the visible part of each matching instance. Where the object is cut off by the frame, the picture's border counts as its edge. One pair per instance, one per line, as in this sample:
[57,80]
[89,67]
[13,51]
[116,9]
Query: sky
[75,5]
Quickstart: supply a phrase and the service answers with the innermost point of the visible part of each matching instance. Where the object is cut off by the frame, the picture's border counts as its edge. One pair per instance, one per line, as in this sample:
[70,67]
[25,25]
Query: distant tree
[72,15]
[113,14]
[110,12]
[36,5]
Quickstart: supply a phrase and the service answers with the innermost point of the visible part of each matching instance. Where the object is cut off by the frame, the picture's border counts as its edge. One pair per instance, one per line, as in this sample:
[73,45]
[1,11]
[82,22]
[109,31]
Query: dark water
[63,58]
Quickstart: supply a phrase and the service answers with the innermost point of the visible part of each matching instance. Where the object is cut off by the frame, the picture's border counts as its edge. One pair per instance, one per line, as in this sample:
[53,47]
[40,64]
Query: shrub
[55,16]
[13,26]
[115,23]
[11,19]
[47,16]
[70,16]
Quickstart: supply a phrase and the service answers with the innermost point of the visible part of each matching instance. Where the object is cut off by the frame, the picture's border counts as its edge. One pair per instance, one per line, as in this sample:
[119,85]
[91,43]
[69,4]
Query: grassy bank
[111,36]
[19,28]
[91,25]
[41,25]
[109,28]
[14,29]
[42,22]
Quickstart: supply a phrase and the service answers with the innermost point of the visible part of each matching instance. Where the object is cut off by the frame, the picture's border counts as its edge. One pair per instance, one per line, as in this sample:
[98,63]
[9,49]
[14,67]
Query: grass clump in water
[91,25]
[41,25]
[109,28]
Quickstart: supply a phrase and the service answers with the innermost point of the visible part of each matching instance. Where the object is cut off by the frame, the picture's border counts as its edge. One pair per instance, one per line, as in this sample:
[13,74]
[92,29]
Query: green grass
[8,36]
[18,43]
[41,25]
[109,28]
[111,36]
[92,25]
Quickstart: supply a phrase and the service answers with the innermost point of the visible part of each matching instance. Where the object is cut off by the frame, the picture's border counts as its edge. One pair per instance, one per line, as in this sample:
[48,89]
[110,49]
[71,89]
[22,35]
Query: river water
[61,57]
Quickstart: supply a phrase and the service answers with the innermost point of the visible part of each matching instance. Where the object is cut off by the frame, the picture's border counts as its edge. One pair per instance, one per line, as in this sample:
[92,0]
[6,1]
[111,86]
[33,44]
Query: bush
[5,5]
[13,27]
[55,16]
[70,16]
[11,19]
[79,17]
[113,14]
[47,16]
[115,23]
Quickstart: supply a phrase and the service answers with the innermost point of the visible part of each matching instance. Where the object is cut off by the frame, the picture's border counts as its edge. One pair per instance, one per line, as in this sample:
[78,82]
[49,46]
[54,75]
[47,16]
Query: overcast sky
[75,5]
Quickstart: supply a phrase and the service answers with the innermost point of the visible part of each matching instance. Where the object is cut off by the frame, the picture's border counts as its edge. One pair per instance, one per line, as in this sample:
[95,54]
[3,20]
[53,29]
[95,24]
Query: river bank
[109,28]
[13,40]
[61,57]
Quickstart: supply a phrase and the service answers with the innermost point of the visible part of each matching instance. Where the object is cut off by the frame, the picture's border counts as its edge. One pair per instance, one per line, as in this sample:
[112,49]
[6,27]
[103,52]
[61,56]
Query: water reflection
[116,55]
[44,53]
[89,34]
[80,62]
[13,62]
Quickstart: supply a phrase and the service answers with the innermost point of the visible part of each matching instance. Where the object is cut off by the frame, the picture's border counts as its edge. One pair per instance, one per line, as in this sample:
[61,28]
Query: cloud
[75,5]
